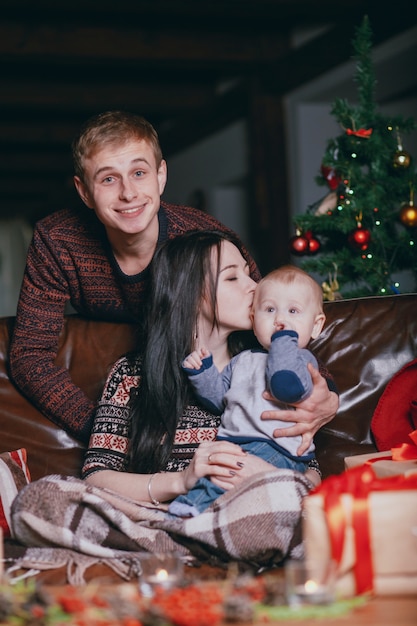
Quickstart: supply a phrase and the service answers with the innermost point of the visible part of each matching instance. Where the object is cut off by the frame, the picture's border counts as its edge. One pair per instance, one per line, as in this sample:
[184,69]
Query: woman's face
[234,291]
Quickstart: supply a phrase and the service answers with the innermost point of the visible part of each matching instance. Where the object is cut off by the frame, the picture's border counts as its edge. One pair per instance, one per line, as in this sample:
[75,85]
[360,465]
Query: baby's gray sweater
[237,390]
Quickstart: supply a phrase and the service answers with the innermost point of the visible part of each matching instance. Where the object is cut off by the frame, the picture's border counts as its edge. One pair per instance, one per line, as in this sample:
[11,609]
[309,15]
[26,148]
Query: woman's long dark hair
[181,273]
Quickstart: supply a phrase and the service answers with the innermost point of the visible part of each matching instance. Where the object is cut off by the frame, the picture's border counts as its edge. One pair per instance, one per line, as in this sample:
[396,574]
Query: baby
[287,312]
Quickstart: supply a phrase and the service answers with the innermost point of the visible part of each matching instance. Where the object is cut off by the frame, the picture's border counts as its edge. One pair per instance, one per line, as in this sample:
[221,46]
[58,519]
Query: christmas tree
[363,232]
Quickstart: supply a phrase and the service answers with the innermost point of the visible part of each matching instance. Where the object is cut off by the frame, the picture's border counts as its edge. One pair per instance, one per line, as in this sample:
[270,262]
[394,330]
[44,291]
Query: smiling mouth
[136,209]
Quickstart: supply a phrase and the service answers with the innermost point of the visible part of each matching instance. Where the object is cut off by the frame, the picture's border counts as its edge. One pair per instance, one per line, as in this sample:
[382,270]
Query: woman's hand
[249,465]
[225,463]
[309,415]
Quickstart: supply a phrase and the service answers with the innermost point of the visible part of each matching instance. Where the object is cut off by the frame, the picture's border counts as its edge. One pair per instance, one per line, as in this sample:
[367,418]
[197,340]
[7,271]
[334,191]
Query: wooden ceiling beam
[77,96]
[53,43]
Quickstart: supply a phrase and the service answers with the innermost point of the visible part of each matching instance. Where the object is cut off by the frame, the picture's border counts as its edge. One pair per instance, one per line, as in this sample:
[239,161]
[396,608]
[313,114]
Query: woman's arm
[106,460]
[224,461]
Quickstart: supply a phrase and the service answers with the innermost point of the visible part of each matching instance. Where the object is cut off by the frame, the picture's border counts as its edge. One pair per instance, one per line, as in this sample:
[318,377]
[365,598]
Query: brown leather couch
[364,343]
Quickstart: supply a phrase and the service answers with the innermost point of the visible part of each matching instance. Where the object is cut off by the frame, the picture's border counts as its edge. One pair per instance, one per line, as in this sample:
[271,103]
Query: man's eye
[108,179]
[139,173]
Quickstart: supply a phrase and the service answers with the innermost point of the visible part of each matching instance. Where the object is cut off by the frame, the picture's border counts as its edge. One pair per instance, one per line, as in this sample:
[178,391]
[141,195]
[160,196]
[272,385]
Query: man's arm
[309,415]
[34,344]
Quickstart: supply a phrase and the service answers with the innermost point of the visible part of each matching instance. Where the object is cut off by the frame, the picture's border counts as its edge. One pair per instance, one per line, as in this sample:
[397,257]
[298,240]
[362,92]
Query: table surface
[376,611]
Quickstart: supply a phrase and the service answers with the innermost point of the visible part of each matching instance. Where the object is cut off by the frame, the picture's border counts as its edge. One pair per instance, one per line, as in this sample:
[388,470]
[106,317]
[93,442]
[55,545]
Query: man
[97,260]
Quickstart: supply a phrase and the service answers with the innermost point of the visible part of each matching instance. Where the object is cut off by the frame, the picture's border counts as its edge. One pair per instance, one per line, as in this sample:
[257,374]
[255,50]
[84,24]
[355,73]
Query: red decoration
[304,244]
[360,237]
[361,132]
[314,245]
[299,244]
[332,178]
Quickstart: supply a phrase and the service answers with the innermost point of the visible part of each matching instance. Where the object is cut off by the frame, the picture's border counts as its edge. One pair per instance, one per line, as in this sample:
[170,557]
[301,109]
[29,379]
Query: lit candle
[162,574]
[312,592]
[309,582]
[159,571]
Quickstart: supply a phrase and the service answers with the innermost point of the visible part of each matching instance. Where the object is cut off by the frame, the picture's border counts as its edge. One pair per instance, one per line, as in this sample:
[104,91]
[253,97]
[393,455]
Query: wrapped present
[368,526]
[383,464]
[401,459]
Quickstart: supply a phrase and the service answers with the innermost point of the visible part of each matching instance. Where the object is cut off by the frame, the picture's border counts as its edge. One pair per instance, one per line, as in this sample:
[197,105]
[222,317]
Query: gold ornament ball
[408,215]
[401,160]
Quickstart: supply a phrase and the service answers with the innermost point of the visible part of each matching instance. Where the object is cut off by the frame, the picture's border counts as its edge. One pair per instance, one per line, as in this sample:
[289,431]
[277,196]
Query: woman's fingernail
[232,472]
[240,464]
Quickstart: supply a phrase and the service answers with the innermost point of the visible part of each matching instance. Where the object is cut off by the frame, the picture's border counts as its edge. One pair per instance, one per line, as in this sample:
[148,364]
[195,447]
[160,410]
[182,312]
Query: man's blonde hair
[112,128]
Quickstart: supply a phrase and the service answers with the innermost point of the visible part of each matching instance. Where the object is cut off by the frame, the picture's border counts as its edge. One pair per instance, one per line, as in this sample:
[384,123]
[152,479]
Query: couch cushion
[365,341]
[88,349]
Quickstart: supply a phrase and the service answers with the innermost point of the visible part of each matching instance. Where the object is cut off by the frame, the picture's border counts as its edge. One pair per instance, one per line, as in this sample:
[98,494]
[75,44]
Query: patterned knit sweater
[70,260]
[112,426]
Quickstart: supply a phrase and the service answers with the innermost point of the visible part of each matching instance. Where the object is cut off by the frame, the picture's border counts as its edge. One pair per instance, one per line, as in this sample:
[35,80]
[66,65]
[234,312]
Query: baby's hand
[194,360]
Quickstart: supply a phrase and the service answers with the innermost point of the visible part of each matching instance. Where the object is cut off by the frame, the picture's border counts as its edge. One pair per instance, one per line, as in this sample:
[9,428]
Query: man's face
[123,185]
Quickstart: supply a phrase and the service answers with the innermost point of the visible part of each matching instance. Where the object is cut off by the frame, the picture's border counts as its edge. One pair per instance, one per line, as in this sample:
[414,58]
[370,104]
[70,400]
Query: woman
[150,442]
[202,294]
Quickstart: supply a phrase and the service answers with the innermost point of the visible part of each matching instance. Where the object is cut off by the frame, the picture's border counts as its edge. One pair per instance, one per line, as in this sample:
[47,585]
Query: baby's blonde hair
[288,274]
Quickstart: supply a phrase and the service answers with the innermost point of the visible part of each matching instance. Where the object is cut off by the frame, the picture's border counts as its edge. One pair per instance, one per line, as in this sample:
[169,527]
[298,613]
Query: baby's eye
[292,311]
[270,309]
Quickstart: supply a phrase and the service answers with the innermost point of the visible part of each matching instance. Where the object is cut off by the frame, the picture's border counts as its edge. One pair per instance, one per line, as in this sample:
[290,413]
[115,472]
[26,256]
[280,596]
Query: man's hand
[309,415]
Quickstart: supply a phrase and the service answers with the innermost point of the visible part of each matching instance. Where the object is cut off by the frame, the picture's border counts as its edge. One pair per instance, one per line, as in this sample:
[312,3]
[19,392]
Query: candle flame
[162,575]
[311,586]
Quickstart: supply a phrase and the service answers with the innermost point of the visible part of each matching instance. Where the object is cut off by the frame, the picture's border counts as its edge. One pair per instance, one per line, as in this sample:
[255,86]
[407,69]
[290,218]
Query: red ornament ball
[408,215]
[360,238]
[299,244]
[314,245]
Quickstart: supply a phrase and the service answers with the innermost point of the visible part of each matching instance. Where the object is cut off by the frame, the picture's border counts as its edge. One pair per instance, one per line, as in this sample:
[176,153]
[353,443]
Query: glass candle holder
[163,571]
[310,582]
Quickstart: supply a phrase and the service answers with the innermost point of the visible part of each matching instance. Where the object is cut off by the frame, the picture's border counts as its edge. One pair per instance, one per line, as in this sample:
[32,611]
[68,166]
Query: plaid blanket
[66,520]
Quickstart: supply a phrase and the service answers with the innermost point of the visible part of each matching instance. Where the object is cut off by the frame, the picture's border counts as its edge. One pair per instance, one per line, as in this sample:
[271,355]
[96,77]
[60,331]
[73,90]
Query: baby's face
[281,306]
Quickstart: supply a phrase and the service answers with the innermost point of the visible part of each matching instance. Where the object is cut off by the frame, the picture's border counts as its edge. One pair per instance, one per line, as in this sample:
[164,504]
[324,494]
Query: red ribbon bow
[406,451]
[359,482]
[361,132]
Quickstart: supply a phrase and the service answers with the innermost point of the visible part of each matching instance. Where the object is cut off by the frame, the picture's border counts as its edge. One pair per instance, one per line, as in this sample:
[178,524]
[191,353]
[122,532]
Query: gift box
[382,463]
[401,459]
[368,526]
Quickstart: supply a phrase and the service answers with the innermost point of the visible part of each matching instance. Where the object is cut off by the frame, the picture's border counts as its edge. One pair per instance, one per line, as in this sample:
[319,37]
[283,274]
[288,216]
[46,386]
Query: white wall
[15,235]
[215,170]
